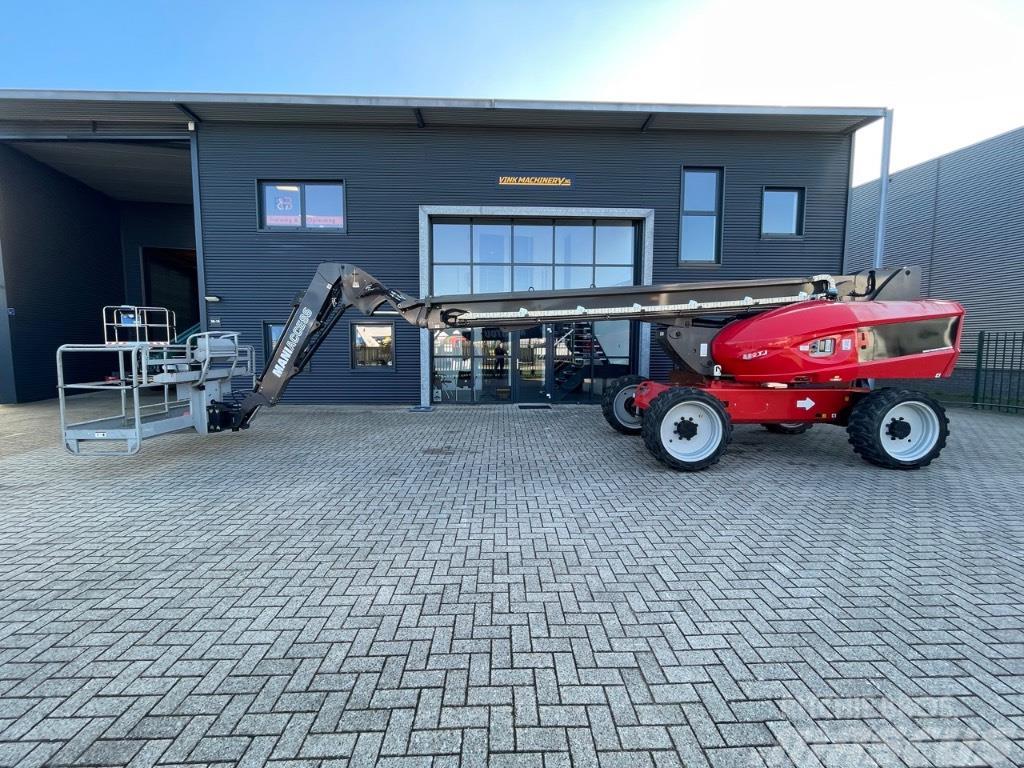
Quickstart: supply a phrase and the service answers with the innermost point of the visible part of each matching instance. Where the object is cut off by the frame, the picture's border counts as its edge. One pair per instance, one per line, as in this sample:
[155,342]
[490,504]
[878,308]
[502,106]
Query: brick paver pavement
[359,586]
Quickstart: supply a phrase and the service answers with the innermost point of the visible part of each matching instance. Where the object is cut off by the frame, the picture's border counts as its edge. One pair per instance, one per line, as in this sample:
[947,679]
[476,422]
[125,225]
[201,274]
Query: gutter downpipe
[197,222]
[883,191]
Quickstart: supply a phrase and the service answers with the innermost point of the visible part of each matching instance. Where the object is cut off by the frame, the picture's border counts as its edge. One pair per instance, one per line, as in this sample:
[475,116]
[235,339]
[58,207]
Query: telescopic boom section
[337,287]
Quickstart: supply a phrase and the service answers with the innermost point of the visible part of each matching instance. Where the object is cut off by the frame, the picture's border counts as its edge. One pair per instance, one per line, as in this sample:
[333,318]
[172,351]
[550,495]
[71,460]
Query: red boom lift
[786,353]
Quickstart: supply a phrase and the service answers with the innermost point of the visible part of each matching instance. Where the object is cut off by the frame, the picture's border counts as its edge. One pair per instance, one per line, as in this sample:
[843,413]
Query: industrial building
[960,217]
[221,206]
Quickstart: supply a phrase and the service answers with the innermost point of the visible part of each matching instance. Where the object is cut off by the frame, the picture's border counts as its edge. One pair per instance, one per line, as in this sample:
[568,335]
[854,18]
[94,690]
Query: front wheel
[687,428]
[898,429]
[618,406]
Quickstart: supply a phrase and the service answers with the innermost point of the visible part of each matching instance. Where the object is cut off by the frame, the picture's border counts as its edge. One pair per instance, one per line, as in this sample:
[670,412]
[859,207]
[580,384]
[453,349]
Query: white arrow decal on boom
[806,404]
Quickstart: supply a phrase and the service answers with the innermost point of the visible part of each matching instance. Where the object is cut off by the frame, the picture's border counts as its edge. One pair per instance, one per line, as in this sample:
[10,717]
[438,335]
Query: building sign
[535,181]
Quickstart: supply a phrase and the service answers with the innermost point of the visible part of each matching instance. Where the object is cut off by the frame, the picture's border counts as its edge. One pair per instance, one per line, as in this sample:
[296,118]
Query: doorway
[550,363]
[170,279]
[556,362]
[553,363]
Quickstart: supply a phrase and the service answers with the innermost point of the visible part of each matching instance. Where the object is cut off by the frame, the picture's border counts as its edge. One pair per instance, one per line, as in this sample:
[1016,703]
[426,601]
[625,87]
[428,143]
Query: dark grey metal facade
[61,249]
[390,172]
[961,218]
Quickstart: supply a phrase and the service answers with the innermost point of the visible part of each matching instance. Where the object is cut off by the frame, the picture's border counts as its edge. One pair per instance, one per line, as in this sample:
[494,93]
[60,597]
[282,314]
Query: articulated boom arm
[337,287]
[334,289]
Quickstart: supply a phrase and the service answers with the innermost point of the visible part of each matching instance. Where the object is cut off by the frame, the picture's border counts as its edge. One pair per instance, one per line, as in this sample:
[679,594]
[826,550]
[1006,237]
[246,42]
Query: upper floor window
[701,217]
[302,205]
[782,212]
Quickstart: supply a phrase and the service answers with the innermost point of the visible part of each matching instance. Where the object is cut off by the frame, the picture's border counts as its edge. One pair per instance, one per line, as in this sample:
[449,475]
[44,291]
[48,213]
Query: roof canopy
[107,112]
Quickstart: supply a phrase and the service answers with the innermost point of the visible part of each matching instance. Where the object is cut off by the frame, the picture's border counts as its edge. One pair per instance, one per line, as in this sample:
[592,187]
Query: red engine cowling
[826,341]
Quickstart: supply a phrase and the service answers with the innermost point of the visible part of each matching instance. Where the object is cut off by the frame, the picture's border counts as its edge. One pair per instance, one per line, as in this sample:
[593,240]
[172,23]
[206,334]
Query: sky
[950,70]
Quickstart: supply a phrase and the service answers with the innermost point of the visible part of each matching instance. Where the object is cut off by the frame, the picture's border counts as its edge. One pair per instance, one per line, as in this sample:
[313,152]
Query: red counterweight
[819,342]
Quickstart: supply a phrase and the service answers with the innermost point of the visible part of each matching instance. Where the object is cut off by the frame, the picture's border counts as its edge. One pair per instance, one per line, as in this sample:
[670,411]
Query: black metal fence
[999,371]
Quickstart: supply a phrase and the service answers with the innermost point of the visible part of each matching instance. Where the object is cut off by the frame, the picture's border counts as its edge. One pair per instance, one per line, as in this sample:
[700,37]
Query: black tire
[612,405]
[793,428]
[709,407]
[880,432]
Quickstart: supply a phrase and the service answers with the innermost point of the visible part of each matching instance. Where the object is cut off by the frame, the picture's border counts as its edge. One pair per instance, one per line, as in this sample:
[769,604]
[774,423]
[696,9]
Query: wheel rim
[691,431]
[909,430]
[791,424]
[623,407]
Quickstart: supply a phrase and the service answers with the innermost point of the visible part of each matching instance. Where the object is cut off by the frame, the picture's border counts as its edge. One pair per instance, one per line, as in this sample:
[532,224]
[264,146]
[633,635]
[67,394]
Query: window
[302,205]
[782,212]
[498,255]
[373,346]
[271,334]
[701,215]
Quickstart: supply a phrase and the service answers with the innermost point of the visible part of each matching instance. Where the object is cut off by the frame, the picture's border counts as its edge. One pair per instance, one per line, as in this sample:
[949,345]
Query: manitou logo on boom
[293,340]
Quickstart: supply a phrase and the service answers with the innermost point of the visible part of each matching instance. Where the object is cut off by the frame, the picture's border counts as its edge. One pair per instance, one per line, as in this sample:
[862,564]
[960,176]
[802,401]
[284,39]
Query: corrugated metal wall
[961,218]
[389,173]
[61,248]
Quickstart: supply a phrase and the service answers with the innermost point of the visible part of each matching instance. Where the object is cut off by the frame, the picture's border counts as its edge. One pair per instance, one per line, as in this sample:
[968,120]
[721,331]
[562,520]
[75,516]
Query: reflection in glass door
[569,360]
[492,373]
[585,357]
[611,352]
[558,362]
[531,354]
[472,366]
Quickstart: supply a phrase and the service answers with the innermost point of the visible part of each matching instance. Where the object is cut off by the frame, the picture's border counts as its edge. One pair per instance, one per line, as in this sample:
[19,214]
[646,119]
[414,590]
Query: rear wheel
[618,406]
[687,428]
[898,429]
[788,428]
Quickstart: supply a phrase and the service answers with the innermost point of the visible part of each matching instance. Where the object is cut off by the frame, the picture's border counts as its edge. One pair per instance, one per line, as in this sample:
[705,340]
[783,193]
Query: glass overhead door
[568,362]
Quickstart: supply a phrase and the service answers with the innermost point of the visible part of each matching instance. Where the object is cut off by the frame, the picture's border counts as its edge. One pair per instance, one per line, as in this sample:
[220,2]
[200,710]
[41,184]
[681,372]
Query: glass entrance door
[472,366]
[492,376]
[584,357]
[569,361]
[611,347]
[531,364]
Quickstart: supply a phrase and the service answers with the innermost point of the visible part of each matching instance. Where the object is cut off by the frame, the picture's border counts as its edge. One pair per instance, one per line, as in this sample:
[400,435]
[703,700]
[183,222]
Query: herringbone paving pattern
[356,586]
